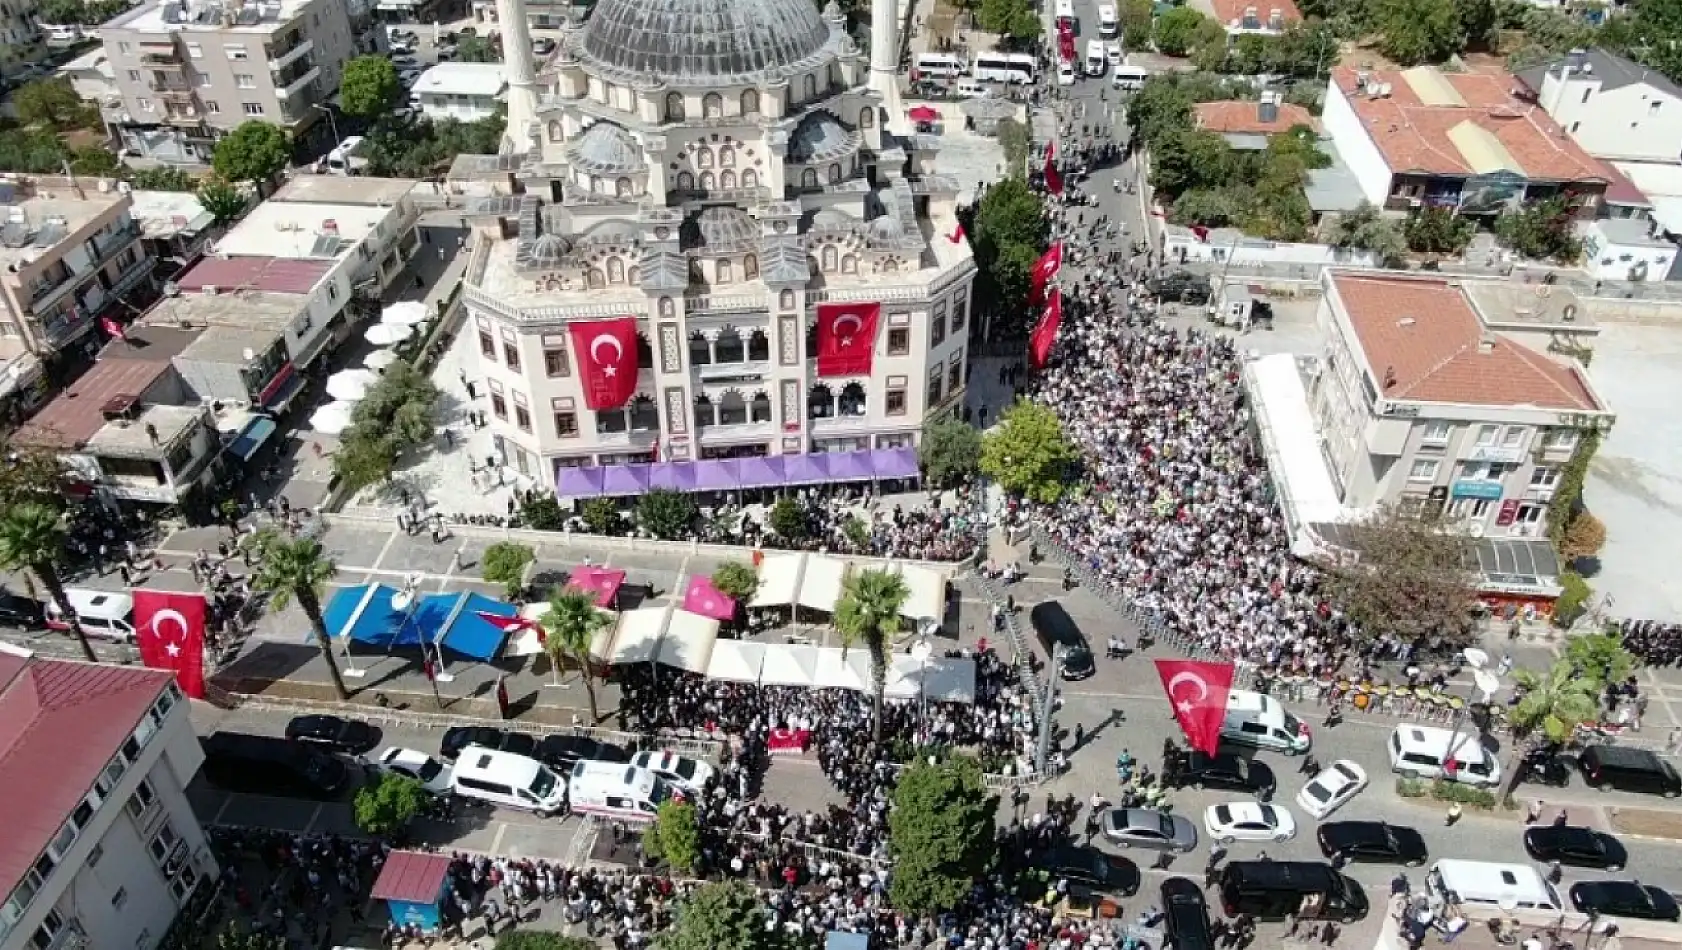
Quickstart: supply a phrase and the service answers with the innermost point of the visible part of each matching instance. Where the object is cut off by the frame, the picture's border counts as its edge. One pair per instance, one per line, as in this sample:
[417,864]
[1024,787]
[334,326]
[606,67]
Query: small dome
[721,228]
[886,229]
[703,42]
[834,218]
[819,136]
[607,148]
[548,248]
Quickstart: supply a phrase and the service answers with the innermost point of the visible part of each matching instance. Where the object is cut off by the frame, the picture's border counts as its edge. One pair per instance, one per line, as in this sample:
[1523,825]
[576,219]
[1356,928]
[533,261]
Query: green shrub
[1410,788]
[1573,600]
[1464,794]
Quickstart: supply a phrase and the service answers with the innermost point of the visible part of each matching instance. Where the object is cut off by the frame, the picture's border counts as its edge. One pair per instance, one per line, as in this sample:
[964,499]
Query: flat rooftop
[134,441]
[282,275]
[1248,117]
[156,344]
[229,344]
[1506,303]
[72,417]
[198,16]
[462,79]
[343,190]
[296,230]
[165,214]
[34,220]
[248,310]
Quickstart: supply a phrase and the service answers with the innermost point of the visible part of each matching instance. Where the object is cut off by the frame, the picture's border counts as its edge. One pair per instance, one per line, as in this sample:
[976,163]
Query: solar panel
[326,245]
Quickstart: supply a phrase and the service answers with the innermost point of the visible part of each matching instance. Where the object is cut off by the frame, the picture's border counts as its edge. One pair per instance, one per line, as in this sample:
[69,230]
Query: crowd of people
[1654,642]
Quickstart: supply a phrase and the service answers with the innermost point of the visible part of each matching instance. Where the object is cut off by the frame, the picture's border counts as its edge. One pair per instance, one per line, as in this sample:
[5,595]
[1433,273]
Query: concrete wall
[1345,129]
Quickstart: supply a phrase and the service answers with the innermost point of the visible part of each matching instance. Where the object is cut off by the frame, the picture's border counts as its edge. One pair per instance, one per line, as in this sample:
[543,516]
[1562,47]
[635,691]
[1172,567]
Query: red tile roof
[1423,334]
[1243,117]
[280,275]
[411,877]
[1414,135]
[1231,12]
[73,416]
[60,724]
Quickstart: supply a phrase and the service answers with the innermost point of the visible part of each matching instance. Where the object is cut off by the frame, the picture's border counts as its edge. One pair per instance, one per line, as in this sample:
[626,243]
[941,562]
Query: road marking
[385,549]
[496,842]
[314,817]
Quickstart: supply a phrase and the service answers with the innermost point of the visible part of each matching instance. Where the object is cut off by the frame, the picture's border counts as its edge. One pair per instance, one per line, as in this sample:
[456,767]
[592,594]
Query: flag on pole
[112,329]
[957,235]
[1045,332]
[1053,178]
[1045,269]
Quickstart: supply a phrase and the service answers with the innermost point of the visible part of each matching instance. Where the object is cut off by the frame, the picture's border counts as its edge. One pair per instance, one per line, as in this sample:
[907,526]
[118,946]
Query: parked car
[457,738]
[1546,766]
[1093,869]
[270,765]
[334,732]
[1149,829]
[1185,914]
[1226,770]
[560,752]
[1328,791]
[1374,842]
[21,612]
[1623,899]
[1576,846]
[433,775]
[1635,770]
[1248,821]
[690,775]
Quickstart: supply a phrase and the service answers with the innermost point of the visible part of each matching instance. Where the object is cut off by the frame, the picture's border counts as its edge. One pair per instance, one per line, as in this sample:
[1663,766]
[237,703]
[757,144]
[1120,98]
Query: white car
[1066,74]
[1116,53]
[1326,792]
[1248,821]
[433,775]
[691,775]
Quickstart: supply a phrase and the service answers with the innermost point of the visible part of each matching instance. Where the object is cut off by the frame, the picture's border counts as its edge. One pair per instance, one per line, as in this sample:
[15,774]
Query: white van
[615,790]
[1253,719]
[102,614]
[509,780]
[343,160]
[1096,59]
[1419,752]
[1129,77]
[943,65]
[1484,882]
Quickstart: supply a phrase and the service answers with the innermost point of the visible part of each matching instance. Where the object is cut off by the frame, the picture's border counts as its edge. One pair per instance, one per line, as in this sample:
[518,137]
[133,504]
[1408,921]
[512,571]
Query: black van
[1274,890]
[1185,916]
[1633,770]
[1054,626]
[268,765]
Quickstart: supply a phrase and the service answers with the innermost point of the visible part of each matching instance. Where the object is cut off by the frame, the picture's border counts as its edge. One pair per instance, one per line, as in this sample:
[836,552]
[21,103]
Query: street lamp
[921,650]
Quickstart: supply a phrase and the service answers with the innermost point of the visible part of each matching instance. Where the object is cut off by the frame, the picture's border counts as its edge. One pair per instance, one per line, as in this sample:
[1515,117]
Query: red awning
[411,877]
[924,114]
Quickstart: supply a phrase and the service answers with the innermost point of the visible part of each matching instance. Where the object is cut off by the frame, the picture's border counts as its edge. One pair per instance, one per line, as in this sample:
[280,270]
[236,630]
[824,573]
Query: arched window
[820,402]
[750,102]
[612,420]
[615,271]
[707,181]
[759,346]
[685,181]
[645,415]
[667,307]
[891,266]
[785,300]
[851,401]
[732,409]
[829,258]
[726,157]
[867,118]
[596,279]
[809,178]
[712,106]
[634,277]
[645,353]
[810,87]
[622,187]
[704,411]
[727,179]
[674,106]
[760,409]
[750,179]
[729,346]
[724,272]
[703,158]
[835,174]
[849,264]
[750,267]
[555,134]
[700,353]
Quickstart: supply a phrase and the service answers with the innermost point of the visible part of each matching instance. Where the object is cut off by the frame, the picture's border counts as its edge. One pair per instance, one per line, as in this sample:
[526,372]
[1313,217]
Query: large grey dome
[703,42]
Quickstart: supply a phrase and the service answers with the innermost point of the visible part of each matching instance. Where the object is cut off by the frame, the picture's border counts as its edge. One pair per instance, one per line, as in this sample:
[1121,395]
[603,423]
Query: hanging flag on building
[169,630]
[112,329]
[513,624]
[1053,178]
[846,338]
[1198,693]
[1045,332]
[607,359]
[1045,270]
[957,235]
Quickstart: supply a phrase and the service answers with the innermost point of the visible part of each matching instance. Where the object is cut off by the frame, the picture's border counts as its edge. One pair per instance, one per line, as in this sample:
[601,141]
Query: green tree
[1162,107]
[1417,31]
[1436,230]
[363,458]
[386,807]
[569,627]
[32,536]
[674,836]
[736,580]
[163,178]
[1573,600]
[1028,454]
[1016,19]
[96,162]
[1014,141]
[543,512]
[1191,159]
[728,915]
[940,835]
[477,49]
[222,199]
[666,514]
[601,516]
[1367,229]
[787,520]
[48,102]
[867,615]
[1554,703]
[30,475]
[1405,577]
[400,408]
[298,569]
[235,935]
[80,12]
[1600,657]
[34,150]
[253,153]
[1543,230]
[505,563]
[1177,31]
[950,451]
[368,87]
[1009,235]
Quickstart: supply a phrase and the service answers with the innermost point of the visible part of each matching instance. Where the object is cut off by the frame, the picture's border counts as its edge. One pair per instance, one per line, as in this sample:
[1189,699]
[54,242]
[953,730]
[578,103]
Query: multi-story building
[375,219]
[70,253]
[22,41]
[102,848]
[1615,109]
[1265,17]
[190,71]
[466,92]
[728,192]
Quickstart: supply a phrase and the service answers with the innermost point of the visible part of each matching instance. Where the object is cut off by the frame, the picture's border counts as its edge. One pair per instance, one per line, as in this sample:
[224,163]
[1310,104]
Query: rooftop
[266,274]
[230,344]
[1422,339]
[1662,184]
[60,724]
[1609,69]
[1239,116]
[246,310]
[165,214]
[34,219]
[462,79]
[72,417]
[135,440]
[1231,13]
[1426,121]
[311,231]
[155,344]
[344,189]
[204,16]
[1503,304]
[1631,232]
[94,59]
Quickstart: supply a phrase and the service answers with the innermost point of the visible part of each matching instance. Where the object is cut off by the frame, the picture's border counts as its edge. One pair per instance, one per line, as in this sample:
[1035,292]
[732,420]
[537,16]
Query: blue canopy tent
[453,620]
[364,614]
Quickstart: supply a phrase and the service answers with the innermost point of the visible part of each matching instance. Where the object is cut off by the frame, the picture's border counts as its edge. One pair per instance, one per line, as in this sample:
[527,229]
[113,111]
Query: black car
[1635,770]
[268,765]
[1186,915]
[21,612]
[1545,767]
[457,738]
[334,732]
[1226,770]
[1623,899]
[1372,841]
[1580,847]
[560,752]
[1055,628]
[1094,870]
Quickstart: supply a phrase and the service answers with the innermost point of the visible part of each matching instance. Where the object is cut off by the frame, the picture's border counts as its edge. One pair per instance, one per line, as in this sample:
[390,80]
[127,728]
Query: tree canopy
[254,152]
[52,103]
[396,415]
[369,87]
[422,148]
[950,451]
[1027,453]
[1017,20]
[1543,230]
[163,178]
[666,514]
[80,12]
[727,915]
[224,200]
[387,805]
[505,563]
[940,834]
[1406,579]
[1010,232]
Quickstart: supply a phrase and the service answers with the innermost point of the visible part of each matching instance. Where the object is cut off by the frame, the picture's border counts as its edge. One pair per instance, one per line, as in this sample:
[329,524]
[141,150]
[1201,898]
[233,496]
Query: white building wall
[463,108]
[1355,145]
[1604,259]
[1635,122]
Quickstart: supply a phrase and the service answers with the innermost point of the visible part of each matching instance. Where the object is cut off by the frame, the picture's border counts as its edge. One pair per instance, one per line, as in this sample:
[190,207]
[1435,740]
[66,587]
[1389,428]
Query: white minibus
[941,65]
[1017,68]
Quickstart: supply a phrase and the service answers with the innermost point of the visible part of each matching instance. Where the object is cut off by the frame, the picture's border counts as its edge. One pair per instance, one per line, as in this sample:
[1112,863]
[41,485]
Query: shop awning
[278,394]
[733,474]
[364,614]
[251,438]
[779,580]
[820,583]
[736,661]
[928,592]
[842,669]
[789,665]
[688,641]
[638,637]
[600,582]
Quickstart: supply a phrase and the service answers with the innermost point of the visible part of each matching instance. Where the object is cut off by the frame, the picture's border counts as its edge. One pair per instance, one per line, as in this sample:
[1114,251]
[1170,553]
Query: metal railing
[1021,654]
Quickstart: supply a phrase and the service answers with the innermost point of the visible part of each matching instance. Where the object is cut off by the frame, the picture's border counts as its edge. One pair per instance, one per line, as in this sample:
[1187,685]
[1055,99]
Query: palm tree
[868,614]
[32,538]
[1554,704]
[296,568]
[569,626]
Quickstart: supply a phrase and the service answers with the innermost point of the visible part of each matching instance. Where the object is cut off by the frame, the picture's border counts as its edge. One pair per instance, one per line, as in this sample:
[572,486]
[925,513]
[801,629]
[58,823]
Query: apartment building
[1241,17]
[374,218]
[190,71]
[102,848]
[1614,108]
[22,41]
[69,255]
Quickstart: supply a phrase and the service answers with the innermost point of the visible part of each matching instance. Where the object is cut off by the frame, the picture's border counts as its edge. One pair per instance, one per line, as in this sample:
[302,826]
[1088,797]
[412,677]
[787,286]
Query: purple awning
[625,479]
[673,476]
[804,469]
[760,472]
[718,475]
[896,463]
[850,466]
[575,482]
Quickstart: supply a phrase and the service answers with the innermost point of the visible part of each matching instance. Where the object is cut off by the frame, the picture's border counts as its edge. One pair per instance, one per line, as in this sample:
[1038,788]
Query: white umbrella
[351,384]
[385,334]
[405,314]
[331,419]
[380,359]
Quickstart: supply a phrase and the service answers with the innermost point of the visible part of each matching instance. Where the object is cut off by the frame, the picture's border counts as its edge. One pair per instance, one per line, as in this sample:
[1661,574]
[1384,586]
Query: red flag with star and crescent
[1198,693]
[607,358]
[1045,332]
[1053,177]
[1044,272]
[513,624]
[169,630]
[846,338]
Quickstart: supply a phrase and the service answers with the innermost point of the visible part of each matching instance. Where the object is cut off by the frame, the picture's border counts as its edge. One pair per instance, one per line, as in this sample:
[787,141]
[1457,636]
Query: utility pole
[1051,674]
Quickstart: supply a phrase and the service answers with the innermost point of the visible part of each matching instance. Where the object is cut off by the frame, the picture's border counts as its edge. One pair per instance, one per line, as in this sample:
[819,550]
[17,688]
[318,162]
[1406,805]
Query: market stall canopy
[688,642]
[453,620]
[600,582]
[736,661]
[789,665]
[385,334]
[927,600]
[638,638]
[779,580]
[940,679]
[703,598]
[364,614]
[842,669]
[820,583]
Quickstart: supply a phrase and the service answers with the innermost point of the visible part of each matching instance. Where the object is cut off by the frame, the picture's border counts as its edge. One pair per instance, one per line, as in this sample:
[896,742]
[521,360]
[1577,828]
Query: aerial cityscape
[781,474]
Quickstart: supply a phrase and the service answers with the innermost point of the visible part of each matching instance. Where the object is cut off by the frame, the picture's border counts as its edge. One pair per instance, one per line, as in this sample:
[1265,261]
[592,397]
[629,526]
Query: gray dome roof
[605,147]
[887,229]
[549,248]
[819,136]
[703,42]
[721,228]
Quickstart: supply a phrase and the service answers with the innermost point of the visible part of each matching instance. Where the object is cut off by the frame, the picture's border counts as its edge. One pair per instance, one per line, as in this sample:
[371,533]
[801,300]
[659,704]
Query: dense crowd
[1656,643]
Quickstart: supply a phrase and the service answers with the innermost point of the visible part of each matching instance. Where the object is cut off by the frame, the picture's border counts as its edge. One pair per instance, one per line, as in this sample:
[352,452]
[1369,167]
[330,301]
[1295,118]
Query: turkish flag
[607,357]
[510,624]
[1198,693]
[957,235]
[1053,178]
[1045,332]
[112,328]
[169,629]
[1044,270]
[846,338]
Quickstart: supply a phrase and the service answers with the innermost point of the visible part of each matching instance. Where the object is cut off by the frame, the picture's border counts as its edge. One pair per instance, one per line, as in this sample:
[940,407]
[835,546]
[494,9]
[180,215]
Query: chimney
[1267,110]
[1486,343]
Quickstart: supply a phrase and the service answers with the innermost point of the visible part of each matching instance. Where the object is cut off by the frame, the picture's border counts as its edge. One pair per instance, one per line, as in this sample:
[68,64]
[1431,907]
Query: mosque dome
[703,42]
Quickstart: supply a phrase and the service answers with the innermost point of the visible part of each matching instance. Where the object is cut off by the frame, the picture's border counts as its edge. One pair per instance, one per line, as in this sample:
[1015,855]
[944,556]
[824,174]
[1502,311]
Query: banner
[1198,693]
[846,338]
[1045,332]
[514,624]
[1045,269]
[169,630]
[1053,178]
[607,360]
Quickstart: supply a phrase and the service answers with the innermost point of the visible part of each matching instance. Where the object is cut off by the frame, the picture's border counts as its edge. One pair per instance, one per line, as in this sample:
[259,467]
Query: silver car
[1148,829]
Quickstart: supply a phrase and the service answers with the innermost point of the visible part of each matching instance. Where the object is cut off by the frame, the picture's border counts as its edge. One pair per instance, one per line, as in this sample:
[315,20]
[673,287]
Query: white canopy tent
[688,641]
[928,592]
[736,661]
[820,583]
[779,580]
[939,679]
[351,384]
[789,665]
[404,313]
[638,637]
[843,669]
[380,359]
[525,642]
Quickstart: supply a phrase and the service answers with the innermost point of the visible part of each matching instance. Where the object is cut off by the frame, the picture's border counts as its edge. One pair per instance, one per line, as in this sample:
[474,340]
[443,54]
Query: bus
[1017,68]
[1066,13]
[1109,25]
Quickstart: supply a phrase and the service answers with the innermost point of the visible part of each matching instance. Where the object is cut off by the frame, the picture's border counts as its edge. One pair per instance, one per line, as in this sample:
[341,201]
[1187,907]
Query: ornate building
[721,173]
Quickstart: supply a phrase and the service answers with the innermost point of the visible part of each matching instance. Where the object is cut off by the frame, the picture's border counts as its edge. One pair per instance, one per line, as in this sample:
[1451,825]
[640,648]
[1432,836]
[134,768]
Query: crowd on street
[1656,643]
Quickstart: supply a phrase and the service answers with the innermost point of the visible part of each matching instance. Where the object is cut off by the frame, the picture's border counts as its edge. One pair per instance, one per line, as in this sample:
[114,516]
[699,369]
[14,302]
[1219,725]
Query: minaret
[884,53]
[521,72]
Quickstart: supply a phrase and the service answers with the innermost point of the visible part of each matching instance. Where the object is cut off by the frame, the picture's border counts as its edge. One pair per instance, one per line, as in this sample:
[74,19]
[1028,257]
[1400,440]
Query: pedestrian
[1674,741]
[1310,765]
[1534,812]
[1080,727]
[1453,814]
[1561,819]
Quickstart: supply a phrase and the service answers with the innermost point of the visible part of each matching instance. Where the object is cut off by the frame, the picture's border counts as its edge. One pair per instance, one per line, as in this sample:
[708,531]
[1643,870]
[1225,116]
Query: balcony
[717,372]
[117,240]
[291,56]
[699,304]
[632,439]
[736,433]
[51,284]
[161,58]
[844,424]
[301,83]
